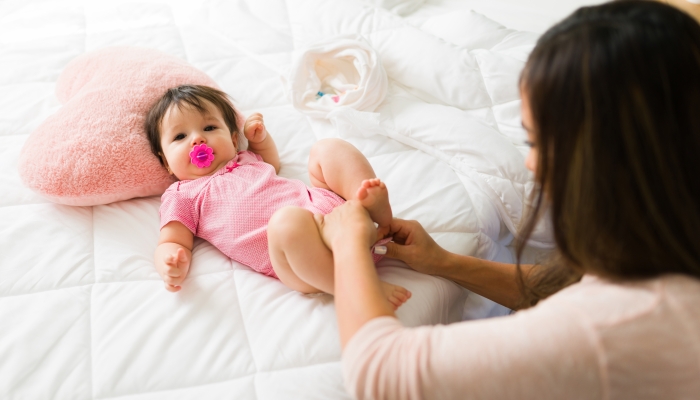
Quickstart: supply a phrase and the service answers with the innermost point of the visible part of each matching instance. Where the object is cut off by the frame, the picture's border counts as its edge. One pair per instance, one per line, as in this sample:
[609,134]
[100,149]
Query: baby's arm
[260,142]
[173,254]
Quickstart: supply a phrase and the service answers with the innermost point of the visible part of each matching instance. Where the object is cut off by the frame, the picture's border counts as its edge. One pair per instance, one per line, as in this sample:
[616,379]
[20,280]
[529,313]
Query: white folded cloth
[344,71]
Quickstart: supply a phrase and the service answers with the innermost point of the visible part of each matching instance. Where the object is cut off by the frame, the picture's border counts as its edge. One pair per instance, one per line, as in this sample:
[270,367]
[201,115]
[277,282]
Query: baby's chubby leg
[374,197]
[299,257]
[337,165]
[302,261]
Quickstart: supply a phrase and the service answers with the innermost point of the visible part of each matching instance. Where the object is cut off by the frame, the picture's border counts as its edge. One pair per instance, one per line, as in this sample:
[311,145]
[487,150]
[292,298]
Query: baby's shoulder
[247,157]
[183,190]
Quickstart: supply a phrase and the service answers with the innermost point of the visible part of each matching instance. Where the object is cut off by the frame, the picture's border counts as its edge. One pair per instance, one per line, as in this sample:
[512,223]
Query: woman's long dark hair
[614,92]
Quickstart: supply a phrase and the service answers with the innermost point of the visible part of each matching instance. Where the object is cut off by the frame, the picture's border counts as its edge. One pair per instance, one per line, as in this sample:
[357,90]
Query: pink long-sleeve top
[593,340]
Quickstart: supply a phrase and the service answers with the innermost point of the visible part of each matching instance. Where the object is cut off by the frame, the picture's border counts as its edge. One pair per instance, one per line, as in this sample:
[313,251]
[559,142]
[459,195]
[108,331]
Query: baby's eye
[209,128]
[179,136]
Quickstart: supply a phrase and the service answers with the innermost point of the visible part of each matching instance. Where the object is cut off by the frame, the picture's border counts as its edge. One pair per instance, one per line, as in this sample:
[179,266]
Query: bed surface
[83,313]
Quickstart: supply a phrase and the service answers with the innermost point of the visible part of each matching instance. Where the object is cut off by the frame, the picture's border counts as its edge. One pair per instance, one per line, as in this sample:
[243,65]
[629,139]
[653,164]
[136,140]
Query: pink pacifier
[201,155]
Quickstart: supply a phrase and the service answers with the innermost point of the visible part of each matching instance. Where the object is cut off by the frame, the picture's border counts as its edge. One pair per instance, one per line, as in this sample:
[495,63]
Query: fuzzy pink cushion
[94,150]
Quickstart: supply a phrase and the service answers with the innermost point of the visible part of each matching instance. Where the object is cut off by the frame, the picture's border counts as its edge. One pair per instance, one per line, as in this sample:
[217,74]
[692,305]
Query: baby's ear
[165,162]
[239,141]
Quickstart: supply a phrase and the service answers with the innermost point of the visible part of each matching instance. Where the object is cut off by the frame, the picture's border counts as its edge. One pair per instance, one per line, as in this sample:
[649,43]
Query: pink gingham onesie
[231,208]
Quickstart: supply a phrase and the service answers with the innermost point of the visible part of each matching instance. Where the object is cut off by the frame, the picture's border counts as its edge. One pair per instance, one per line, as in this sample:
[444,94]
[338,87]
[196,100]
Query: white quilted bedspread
[83,314]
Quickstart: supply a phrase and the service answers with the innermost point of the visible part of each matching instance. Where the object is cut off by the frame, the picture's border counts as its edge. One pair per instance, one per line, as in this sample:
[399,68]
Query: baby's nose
[197,139]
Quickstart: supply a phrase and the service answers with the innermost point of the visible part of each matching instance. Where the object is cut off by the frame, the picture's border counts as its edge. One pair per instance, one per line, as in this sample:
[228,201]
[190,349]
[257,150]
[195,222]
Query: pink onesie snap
[231,208]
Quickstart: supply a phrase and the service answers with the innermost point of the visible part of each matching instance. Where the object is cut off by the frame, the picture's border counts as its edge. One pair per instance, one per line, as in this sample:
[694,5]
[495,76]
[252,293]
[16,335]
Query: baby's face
[183,128]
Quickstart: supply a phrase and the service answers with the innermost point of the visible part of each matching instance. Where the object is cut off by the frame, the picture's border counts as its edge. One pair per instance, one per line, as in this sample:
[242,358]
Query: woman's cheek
[531,160]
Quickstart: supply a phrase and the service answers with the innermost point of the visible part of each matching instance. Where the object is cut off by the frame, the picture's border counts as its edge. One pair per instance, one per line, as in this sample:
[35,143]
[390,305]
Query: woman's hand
[414,246]
[493,280]
[349,222]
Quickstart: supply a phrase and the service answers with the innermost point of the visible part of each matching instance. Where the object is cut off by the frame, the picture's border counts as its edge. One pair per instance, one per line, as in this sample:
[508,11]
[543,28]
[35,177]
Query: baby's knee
[327,146]
[288,223]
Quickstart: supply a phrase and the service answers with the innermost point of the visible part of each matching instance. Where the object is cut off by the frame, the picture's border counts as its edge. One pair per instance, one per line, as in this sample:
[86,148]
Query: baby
[235,200]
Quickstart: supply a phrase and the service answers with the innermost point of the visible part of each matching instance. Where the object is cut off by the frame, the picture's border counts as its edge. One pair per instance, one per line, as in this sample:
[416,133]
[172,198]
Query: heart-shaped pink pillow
[94,149]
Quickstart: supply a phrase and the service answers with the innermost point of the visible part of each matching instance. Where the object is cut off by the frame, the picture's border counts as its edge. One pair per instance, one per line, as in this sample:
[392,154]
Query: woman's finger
[392,250]
[400,230]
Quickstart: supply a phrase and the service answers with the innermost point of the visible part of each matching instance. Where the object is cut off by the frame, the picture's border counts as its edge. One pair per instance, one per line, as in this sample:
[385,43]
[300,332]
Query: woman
[611,104]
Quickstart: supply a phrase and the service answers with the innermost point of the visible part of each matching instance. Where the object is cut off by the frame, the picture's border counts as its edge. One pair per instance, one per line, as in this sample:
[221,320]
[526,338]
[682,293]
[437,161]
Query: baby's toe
[395,303]
[402,297]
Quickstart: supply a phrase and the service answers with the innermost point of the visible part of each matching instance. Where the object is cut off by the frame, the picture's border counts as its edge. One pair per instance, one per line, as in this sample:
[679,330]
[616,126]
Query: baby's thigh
[339,166]
[287,223]
[294,233]
[297,251]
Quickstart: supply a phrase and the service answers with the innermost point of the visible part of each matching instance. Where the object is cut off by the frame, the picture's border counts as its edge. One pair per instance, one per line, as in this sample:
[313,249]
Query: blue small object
[320,94]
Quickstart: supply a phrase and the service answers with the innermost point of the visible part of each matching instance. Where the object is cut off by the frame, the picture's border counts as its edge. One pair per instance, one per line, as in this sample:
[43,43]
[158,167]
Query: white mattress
[83,314]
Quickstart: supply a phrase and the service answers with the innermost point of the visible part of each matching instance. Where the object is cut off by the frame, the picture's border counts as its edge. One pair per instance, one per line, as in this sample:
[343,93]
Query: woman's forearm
[493,280]
[496,281]
[358,294]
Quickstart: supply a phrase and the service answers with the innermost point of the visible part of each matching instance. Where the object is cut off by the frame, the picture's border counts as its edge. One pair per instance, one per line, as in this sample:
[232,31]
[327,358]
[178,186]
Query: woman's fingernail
[381,250]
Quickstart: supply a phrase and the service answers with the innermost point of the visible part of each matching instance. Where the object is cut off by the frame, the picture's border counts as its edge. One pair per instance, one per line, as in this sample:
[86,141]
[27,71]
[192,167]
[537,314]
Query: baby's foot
[396,295]
[374,196]
[254,128]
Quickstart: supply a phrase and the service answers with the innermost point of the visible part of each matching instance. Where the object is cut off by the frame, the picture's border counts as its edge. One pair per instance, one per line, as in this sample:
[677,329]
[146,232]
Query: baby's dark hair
[193,96]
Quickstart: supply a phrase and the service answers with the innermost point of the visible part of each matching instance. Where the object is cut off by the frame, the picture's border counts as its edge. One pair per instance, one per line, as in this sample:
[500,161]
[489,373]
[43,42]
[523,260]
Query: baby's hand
[254,128]
[174,269]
